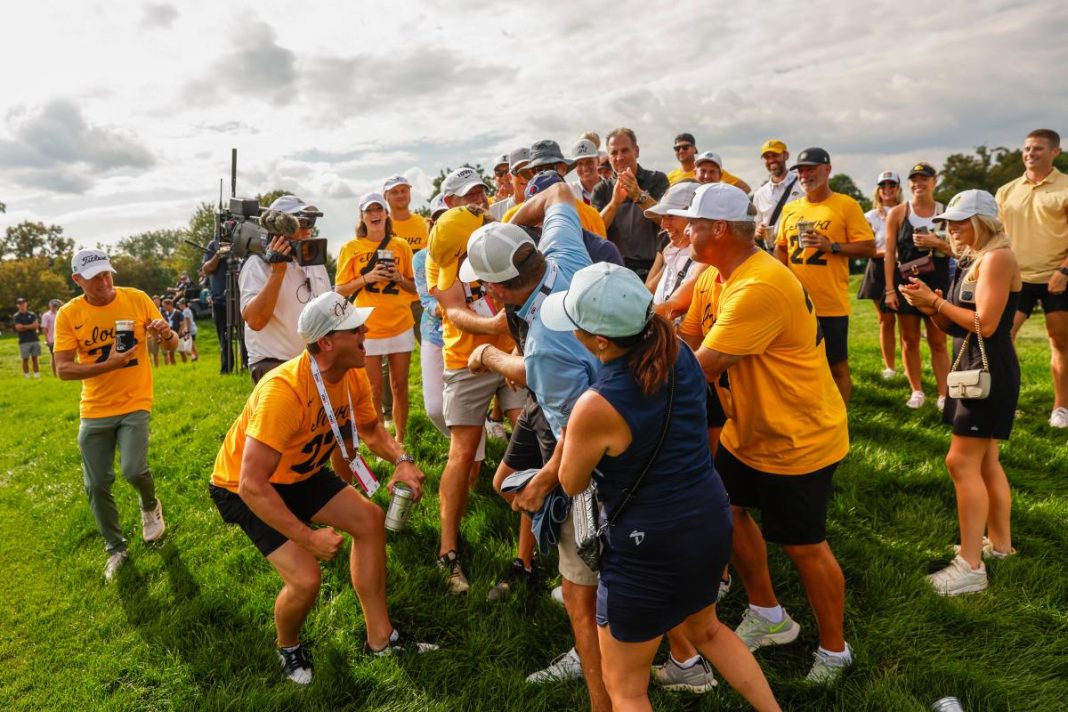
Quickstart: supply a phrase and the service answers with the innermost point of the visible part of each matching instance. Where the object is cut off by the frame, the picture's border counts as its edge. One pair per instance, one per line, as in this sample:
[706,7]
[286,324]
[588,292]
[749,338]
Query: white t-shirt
[187,313]
[878,226]
[278,339]
[678,267]
[498,209]
[767,196]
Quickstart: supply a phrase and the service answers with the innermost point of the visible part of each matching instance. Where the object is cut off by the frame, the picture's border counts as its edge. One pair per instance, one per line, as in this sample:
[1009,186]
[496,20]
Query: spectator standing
[116,394]
[502,179]
[216,265]
[189,326]
[175,321]
[685,148]
[48,326]
[1034,210]
[780,188]
[27,326]
[546,156]
[873,285]
[518,159]
[982,300]
[584,161]
[820,256]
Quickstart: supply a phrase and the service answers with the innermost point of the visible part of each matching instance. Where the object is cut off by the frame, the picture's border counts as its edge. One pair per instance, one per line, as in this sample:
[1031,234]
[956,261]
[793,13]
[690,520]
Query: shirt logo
[638,537]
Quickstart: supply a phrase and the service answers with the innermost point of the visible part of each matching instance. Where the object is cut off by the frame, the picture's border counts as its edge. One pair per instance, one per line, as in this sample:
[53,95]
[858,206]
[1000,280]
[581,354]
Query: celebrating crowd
[673,358]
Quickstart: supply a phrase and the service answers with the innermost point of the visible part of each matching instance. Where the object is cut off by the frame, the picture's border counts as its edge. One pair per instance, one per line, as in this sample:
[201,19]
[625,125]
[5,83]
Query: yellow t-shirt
[392,314]
[89,332]
[285,413]
[785,415]
[701,316]
[589,218]
[824,275]
[415,231]
[1035,216]
[678,176]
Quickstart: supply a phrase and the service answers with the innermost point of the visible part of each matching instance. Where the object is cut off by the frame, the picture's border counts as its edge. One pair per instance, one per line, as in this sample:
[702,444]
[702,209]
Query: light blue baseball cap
[603,299]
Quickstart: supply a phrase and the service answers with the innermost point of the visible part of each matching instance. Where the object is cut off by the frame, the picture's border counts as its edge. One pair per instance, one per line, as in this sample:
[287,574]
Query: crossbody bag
[973,384]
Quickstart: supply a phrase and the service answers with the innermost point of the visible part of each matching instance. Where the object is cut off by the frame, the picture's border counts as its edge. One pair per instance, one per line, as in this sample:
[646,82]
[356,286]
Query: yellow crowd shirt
[826,276]
[589,218]
[785,415]
[701,315]
[415,231]
[445,252]
[678,176]
[89,332]
[286,414]
[1035,216]
[392,314]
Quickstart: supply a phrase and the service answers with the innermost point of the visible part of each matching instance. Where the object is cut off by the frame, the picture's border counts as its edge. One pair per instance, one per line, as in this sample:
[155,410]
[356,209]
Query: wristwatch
[404,458]
[643,197]
[835,248]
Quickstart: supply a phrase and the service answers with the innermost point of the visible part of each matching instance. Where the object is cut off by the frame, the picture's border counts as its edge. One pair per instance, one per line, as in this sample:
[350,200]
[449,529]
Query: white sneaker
[724,588]
[989,552]
[295,664]
[152,525]
[115,562]
[565,667]
[959,577]
[495,429]
[941,403]
[756,631]
[828,668]
[558,595]
[889,374]
[696,679]
[1059,418]
[916,400]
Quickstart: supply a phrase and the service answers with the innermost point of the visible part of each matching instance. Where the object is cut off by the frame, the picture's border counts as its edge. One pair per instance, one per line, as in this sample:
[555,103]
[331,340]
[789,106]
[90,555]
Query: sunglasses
[888,184]
[683,147]
[500,172]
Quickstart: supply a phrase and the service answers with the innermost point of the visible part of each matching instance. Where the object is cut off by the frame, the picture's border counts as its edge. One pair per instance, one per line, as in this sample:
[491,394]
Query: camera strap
[359,467]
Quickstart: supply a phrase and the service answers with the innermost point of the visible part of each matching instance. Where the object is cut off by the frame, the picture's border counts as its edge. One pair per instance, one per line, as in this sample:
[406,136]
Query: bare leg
[1000,498]
[1057,331]
[373,367]
[452,490]
[626,671]
[581,605]
[910,349]
[964,462]
[936,341]
[300,573]
[887,340]
[749,556]
[840,374]
[399,366]
[825,587]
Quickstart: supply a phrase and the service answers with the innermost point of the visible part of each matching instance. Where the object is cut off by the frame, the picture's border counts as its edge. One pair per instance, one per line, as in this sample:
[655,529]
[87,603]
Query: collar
[529,311]
[1052,177]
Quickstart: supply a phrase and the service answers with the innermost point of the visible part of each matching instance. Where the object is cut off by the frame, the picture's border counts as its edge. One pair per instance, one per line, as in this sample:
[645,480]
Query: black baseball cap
[923,168]
[812,157]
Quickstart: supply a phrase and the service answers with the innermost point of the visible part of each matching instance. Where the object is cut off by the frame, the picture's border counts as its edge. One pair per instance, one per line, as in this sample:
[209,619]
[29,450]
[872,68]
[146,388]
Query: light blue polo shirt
[559,368]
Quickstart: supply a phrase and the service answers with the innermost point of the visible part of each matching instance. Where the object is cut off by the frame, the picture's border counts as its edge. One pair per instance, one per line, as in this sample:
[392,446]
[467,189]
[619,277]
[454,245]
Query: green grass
[188,623]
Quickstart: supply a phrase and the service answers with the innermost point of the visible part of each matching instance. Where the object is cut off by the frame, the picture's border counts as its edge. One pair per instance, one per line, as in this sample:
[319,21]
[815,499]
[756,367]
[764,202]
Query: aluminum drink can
[947,704]
[804,226]
[399,507]
[124,335]
[385,256]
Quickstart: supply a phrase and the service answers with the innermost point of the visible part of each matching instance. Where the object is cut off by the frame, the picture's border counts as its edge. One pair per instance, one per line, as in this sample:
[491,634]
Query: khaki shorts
[572,567]
[468,395]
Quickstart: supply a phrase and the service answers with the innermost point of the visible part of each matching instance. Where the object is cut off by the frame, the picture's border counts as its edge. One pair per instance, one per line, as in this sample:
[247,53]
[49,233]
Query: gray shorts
[468,395]
[572,567]
[30,348]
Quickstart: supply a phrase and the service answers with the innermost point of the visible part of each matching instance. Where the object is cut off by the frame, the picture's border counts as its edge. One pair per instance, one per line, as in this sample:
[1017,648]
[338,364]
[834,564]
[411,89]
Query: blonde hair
[879,205]
[592,136]
[989,236]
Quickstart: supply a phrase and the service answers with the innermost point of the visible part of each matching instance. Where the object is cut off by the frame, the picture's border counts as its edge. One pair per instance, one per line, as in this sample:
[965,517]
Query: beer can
[947,704]
[385,255]
[400,505]
[124,335]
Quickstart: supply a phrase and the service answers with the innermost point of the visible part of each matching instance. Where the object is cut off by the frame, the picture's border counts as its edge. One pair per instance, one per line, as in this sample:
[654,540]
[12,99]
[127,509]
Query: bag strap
[371,264]
[782,201]
[633,490]
[964,346]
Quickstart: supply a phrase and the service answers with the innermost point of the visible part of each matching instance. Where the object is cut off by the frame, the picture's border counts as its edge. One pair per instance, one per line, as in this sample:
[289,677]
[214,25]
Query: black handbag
[590,541]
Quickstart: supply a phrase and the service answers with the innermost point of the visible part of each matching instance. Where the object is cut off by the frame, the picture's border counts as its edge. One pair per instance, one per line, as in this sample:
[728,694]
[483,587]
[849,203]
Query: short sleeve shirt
[392,314]
[278,339]
[701,315]
[286,414]
[26,318]
[824,275]
[48,326]
[1035,216]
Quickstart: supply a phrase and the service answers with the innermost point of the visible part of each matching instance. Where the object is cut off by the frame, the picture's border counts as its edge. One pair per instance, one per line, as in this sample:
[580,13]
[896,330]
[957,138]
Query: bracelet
[170,333]
[939,309]
[405,457]
[482,356]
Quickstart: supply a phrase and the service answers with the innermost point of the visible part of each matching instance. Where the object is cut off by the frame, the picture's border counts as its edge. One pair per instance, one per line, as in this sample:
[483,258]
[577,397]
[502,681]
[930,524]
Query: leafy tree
[490,185]
[33,279]
[150,275]
[3,208]
[841,183]
[35,239]
[988,169]
[152,245]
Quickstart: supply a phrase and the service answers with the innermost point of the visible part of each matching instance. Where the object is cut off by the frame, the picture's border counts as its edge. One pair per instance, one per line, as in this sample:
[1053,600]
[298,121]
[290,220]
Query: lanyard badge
[356,463]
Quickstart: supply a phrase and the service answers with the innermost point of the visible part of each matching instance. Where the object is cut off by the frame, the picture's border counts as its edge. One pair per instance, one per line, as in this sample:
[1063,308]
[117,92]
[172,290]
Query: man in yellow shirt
[836,230]
[786,430]
[271,477]
[1034,210]
[99,341]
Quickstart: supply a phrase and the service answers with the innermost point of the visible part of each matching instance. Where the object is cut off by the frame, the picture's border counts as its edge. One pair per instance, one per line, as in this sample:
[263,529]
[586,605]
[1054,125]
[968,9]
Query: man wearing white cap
[408,226]
[502,179]
[116,392]
[520,175]
[584,161]
[271,477]
[274,289]
[786,430]
[554,366]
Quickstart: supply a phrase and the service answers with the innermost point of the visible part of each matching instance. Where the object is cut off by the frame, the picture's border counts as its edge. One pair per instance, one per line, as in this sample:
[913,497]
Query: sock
[846,654]
[394,636]
[688,663]
[775,615]
[289,648]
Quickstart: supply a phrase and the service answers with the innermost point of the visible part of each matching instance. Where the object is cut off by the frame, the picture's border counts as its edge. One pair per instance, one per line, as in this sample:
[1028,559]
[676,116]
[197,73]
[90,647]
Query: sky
[118,117]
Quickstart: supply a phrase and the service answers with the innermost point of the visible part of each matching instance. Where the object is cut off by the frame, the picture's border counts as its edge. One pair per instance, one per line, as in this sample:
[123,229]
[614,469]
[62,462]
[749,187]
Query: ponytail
[652,354]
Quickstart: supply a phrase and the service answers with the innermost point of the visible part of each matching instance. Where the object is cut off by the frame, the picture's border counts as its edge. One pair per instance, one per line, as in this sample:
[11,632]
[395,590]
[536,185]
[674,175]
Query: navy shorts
[836,337]
[532,442]
[1031,294]
[304,499]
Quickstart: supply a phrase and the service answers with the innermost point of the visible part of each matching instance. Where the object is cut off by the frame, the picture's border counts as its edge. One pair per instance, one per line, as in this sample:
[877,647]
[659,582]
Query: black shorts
[835,337]
[1032,293]
[532,442]
[716,417]
[793,508]
[304,499]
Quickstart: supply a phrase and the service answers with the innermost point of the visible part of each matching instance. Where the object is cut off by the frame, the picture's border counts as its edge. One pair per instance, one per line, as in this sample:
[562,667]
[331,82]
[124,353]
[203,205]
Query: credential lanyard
[359,468]
[545,290]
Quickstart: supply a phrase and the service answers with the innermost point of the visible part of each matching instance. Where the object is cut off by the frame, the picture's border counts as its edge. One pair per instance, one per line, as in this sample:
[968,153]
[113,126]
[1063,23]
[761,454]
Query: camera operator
[274,289]
[216,265]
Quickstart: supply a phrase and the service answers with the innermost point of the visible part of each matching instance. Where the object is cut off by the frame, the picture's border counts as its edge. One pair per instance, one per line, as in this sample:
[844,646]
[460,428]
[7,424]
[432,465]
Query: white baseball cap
[393,182]
[501,160]
[437,205]
[708,156]
[369,199]
[583,148]
[518,159]
[717,201]
[329,312]
[90,263]
[677,197]
[460,182]
[490,250]
[603,299]
[888,176]
[288,204]
[969,204]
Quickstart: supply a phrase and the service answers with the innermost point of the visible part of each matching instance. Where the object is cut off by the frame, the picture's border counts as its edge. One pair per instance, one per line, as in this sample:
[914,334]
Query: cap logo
[340,308]
[956,199]
[919,167]
[89,259]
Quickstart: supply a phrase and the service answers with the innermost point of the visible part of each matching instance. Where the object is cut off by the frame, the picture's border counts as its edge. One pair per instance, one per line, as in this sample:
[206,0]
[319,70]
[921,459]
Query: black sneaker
[295,664]
[515,574]
[398,645]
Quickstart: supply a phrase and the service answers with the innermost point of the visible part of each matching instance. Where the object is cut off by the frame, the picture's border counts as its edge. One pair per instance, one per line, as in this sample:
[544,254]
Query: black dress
[907,252]
[990,417]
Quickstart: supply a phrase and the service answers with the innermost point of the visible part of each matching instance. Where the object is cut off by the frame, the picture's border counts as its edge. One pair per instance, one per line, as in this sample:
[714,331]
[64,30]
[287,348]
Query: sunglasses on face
[500,172]
[683,147]
[888,184]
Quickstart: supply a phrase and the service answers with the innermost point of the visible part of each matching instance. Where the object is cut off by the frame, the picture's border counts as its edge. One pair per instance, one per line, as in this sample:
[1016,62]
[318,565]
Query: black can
[124,335]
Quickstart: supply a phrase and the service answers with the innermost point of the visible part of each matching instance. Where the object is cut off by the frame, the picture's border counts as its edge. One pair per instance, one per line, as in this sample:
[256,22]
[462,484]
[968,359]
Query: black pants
[226,359]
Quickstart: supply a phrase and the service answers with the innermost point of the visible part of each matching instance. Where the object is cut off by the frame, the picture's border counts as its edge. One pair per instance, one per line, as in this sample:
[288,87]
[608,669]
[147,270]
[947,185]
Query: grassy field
[188,622]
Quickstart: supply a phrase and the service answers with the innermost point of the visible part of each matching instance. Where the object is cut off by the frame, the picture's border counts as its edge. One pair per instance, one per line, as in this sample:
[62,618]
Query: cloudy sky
[119,116]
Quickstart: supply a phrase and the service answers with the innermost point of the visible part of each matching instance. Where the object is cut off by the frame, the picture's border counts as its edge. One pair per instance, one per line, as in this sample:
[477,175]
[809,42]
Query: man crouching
[271,478]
